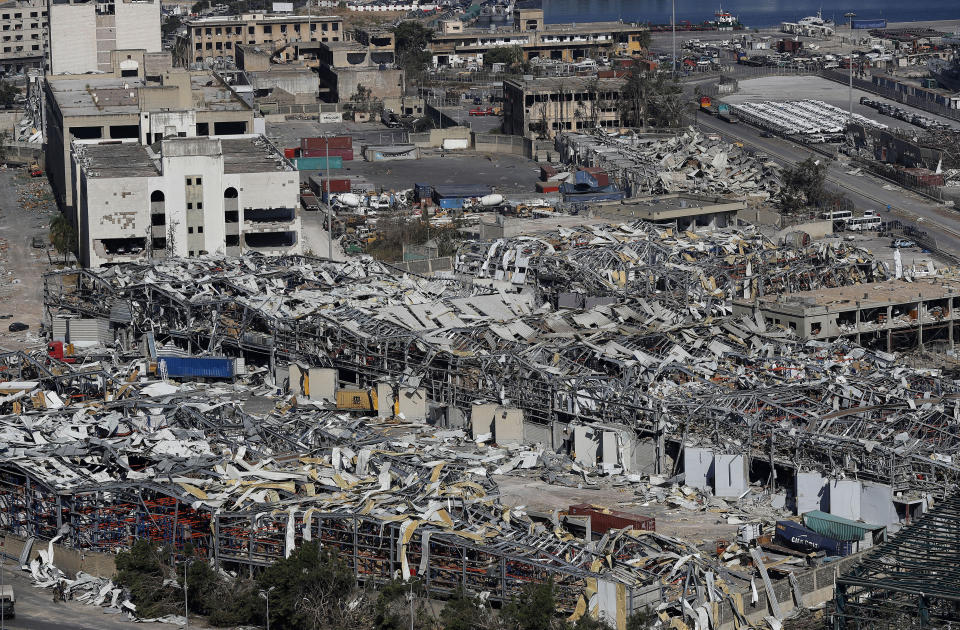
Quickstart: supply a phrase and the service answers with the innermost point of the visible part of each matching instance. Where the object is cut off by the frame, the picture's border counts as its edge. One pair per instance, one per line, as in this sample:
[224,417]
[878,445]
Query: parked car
[7,601]
[478,111]
[902,242]
[38,242]
[18,327]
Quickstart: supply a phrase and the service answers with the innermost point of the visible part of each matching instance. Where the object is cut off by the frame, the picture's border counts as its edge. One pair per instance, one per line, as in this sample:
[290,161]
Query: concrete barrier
[67,559]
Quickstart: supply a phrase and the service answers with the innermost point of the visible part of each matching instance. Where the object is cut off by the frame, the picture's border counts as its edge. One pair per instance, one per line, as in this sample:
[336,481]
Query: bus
[860,224]
[837,215]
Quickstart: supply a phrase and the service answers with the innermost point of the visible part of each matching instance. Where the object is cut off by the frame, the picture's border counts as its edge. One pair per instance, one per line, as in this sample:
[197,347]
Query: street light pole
[266,595]
[329,211]
[186,605]
[673,26]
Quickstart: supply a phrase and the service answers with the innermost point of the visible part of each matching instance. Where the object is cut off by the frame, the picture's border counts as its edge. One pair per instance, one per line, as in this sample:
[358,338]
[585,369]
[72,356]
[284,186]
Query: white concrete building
[217,195]
[83,34]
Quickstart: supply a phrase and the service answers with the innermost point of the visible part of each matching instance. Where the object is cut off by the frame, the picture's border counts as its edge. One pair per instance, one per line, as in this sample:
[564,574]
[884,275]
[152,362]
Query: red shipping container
[547,171]
[290,153]
[547,187]
[336,142]
[603,520]
[346,154]
[335,185]
[598,174]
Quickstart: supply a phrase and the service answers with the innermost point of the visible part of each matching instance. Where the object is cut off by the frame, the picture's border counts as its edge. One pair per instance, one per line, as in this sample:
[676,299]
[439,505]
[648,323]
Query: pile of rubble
[694,274]
[691,162]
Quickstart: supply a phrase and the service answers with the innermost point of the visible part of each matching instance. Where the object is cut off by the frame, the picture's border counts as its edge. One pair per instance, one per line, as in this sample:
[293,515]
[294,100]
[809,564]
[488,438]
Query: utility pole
[673,27]
[186,606]
[851,88]
[329,205]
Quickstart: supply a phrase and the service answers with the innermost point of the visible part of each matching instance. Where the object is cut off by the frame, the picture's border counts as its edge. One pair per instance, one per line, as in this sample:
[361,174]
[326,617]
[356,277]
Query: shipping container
[345,154]
[546,172]
[335,142]
[197,367]
[291,153]
[321,185]
[840,528]
[548,187]
[603,520]
[317,164]
[801,538]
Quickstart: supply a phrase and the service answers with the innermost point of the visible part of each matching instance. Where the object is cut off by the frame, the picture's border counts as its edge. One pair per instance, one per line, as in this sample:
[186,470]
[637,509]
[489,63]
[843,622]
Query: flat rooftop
[667,207]
[245,154]
[232,20]
[870,295]
[101,96]
[579,28]
[568,84]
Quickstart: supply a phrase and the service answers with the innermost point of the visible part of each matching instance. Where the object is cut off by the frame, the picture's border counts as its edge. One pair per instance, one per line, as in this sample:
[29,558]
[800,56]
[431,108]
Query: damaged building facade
[184,197]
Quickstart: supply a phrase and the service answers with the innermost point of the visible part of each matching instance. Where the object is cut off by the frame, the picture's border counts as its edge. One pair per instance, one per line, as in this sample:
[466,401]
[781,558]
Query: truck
[726,114]
[802,538]
[7,601]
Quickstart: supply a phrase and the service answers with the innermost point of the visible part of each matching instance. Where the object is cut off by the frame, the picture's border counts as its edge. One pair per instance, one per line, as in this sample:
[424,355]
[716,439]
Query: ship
[725,21]
[816,20]
[947,73]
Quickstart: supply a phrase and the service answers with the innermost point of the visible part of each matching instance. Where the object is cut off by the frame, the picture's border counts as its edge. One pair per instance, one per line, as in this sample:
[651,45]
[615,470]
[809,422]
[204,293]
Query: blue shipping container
[801,538]
[317,163]
[198,367]
[868,24]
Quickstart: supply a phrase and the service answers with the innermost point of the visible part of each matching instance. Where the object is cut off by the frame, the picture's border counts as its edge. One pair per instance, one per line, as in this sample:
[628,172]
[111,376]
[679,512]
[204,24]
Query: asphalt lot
[506,173]
[36,610]
[22,216]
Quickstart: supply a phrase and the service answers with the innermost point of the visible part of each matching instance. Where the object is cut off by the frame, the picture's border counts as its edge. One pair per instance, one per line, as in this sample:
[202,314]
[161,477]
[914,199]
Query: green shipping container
[837,527]
[318,163]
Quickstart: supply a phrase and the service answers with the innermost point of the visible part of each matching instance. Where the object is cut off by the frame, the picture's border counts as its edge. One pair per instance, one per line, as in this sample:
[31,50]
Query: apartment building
[184,197]
[84,34]
[143,99]
[209,42]
[535,107]
[23,35]
[456,45]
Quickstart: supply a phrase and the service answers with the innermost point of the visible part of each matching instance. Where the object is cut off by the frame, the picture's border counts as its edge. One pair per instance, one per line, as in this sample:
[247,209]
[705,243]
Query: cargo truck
[726,114]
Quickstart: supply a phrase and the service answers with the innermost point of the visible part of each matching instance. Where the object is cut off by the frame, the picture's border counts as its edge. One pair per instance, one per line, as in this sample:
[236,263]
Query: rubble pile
[691,162]
[684,271]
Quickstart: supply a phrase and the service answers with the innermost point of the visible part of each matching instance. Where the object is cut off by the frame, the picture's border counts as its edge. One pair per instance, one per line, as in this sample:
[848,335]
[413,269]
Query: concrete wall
[498,143]
[73,38]
[138,25]
[816,229]
[68,560]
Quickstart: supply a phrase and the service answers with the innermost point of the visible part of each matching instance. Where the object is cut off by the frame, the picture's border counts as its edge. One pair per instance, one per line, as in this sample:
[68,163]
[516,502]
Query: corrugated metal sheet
[120,312]
[837,527]
[83,331]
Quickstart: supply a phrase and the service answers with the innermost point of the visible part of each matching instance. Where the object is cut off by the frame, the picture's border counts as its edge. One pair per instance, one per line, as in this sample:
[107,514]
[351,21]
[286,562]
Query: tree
[533,610]
[802,185]
[171,25]
[411,47]
[8,94]
[509,55]
[650,98]
[63,235]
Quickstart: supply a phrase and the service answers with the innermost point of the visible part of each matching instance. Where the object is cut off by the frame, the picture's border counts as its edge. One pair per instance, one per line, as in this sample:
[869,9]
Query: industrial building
[184,197]
[23,31]
[456,45]
[84,35]
[545,106]
[148,102]
[212,41]
[686,211]
[891,315]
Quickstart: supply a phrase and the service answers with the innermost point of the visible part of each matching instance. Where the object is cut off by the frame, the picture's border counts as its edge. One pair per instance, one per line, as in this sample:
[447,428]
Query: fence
[496,143]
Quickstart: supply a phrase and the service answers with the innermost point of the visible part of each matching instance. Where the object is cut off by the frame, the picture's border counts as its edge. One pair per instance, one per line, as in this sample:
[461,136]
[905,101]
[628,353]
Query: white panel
[845,498]
[585,445]
[481,419]
[698,467]
[811,492]
[876,504]
[508,426]
[730,475]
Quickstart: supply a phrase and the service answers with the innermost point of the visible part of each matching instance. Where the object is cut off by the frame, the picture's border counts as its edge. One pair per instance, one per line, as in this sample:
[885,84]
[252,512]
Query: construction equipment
[35,170]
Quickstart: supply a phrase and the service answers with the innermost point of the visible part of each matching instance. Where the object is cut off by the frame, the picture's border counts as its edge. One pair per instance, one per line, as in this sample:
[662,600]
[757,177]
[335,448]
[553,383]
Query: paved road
[866,191]
[35,610]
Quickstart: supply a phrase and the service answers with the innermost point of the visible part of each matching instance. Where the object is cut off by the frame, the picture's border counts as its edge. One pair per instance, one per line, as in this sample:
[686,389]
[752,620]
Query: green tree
[510,55]
[63,236]
[8,94]
[802,185]
[651,98]
[312,575]
[533,610]
[171,25]
[412,39]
